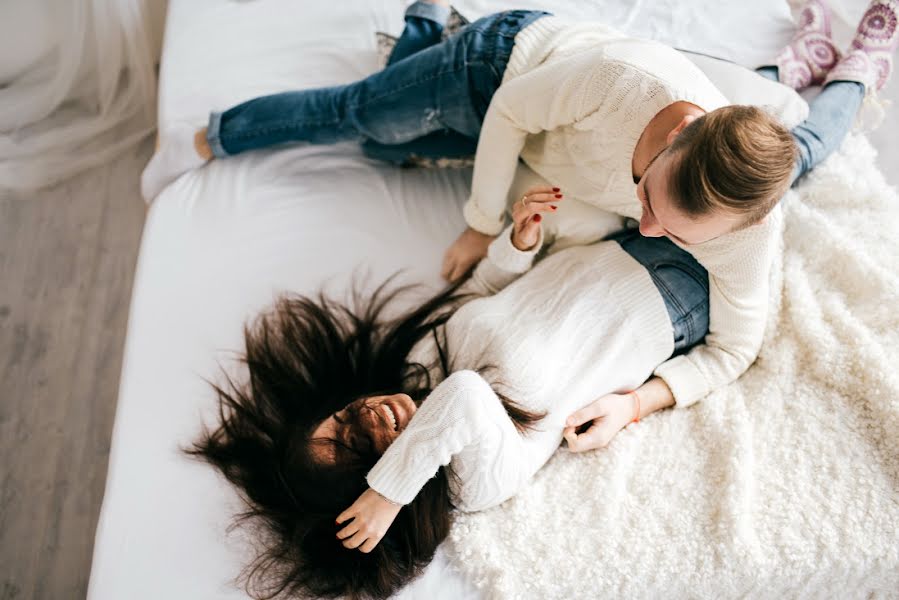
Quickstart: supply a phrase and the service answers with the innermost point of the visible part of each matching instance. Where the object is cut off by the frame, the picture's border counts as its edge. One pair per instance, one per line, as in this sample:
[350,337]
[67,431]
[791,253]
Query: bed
[221,242]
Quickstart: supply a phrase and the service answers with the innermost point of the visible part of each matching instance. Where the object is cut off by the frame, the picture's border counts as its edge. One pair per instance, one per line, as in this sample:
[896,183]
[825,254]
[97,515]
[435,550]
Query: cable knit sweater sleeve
[543,99]
[461,412]
[739,266]
[503,264]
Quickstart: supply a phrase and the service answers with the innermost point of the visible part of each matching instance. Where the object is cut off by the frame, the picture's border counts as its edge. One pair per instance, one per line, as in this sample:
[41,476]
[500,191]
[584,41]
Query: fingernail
[556,190]
[537,218]
[553,207]
[558,195]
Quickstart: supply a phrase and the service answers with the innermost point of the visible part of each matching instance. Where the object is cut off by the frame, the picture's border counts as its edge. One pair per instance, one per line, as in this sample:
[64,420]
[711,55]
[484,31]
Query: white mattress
[220,242]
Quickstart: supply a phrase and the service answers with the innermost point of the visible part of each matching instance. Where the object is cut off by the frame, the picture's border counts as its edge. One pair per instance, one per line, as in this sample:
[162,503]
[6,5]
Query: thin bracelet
[385,497]
[636,418]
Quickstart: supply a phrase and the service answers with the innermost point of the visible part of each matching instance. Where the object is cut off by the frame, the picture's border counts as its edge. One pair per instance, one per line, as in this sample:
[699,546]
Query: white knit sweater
[584,322]
[574,101]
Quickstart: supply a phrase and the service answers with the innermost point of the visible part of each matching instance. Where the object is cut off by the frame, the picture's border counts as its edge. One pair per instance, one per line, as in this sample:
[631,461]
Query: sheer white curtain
[77,85]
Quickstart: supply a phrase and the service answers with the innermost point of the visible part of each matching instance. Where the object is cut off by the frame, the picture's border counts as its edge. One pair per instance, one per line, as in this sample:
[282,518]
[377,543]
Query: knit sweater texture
[573,104]
[584,322]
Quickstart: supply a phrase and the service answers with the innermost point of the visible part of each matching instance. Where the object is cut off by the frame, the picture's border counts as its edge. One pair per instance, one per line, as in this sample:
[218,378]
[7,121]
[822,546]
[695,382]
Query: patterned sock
[870,57]
[811,53]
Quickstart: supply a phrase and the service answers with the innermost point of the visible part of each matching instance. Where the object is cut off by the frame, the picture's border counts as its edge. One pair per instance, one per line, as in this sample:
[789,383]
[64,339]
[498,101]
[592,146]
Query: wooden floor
[67,259]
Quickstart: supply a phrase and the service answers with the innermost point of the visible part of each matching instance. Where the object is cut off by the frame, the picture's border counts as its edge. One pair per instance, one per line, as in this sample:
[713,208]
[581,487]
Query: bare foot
[201,145]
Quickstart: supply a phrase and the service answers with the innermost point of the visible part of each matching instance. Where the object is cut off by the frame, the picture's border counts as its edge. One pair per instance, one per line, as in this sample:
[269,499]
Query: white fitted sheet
[221,241]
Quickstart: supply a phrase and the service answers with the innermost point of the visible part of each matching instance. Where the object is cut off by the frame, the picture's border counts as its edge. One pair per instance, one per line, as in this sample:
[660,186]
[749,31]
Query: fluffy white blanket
[783,484]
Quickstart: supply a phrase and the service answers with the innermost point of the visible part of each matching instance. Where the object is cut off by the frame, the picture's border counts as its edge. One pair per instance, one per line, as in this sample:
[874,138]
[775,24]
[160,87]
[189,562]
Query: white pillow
[744,86]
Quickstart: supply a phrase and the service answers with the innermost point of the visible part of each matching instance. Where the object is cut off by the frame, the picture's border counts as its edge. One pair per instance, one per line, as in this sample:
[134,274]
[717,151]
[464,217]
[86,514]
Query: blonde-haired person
[627,125]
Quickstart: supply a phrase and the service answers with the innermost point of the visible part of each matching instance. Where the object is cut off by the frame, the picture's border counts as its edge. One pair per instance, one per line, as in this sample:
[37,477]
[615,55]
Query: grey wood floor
[67,259]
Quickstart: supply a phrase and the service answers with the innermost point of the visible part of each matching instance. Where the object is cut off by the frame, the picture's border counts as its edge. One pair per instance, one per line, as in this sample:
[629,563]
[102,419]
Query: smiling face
[366,425]
[662,216]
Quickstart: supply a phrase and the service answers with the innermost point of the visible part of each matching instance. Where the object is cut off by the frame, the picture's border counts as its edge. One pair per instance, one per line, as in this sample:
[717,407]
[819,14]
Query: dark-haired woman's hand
[606,416]
[371,516]
[526,215]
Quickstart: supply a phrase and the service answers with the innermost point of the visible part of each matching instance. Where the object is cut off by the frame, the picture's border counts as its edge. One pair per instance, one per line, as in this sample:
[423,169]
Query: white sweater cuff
[392,481]
[479,221]
[507,257]
[686,381]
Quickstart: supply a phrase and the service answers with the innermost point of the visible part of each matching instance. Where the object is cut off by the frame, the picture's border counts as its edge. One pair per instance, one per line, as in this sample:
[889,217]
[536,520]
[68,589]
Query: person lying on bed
[628,125]
[456,403]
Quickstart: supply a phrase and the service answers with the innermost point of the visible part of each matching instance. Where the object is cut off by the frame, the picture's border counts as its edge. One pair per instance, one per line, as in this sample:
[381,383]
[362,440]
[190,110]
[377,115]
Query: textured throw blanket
[783,484]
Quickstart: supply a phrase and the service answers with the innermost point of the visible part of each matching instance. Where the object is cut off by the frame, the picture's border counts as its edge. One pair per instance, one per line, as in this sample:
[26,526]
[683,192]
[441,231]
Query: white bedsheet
[220,242]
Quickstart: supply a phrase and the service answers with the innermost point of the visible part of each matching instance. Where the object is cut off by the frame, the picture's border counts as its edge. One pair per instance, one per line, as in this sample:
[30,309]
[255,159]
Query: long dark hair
[308,358]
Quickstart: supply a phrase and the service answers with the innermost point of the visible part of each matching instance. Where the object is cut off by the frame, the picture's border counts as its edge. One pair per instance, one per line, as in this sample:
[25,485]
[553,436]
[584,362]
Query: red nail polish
[558,195]
[553,207]
[556,190]
[537,218]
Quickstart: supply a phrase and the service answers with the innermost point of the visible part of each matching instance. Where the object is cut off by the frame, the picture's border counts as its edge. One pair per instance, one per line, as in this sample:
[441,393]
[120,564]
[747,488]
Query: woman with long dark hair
[621,124]
[454,404]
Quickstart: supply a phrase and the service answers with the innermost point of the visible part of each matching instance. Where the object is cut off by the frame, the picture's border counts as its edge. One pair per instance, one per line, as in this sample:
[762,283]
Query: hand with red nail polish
[526,216]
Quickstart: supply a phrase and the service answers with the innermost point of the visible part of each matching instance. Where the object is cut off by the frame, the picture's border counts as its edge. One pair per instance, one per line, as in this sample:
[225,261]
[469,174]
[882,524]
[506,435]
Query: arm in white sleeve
[540,100]
[461,411]
[738,311]
[503,264]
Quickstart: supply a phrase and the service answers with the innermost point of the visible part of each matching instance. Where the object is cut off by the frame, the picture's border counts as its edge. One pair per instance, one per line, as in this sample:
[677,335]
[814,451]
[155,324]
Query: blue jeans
[682,282]
[830,117]
[430,101]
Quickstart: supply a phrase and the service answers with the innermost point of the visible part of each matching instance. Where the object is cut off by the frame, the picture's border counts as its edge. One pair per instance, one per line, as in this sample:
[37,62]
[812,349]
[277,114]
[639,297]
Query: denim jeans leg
[681,281]
[444,87]
[440,144]
[830,117]
[424,26]
[423,93]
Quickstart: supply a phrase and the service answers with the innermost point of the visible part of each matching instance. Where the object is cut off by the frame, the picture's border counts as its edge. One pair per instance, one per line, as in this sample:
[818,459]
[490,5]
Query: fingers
[597,436]
[520,213]
[570,437]
[347,514]
[468,249]
[356,540]
[459,268]
[537,200]
[528,234]
[578,443]
[349,530]
[544,197]
[543,189]
[454,266]
[588,413]
[523,216]
[365,539]
[523,211]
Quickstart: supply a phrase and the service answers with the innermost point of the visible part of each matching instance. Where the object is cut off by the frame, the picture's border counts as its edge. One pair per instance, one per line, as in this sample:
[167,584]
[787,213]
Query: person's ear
[680,127]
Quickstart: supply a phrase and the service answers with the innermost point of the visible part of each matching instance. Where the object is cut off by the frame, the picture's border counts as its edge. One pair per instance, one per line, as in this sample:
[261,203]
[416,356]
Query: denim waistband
[681,281]
[501,29]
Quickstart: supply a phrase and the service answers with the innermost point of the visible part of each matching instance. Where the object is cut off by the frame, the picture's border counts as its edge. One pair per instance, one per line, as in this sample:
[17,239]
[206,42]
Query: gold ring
[524,201]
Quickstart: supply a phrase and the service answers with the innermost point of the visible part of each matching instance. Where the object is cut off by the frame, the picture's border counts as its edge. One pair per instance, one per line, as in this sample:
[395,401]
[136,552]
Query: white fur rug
[784,484]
